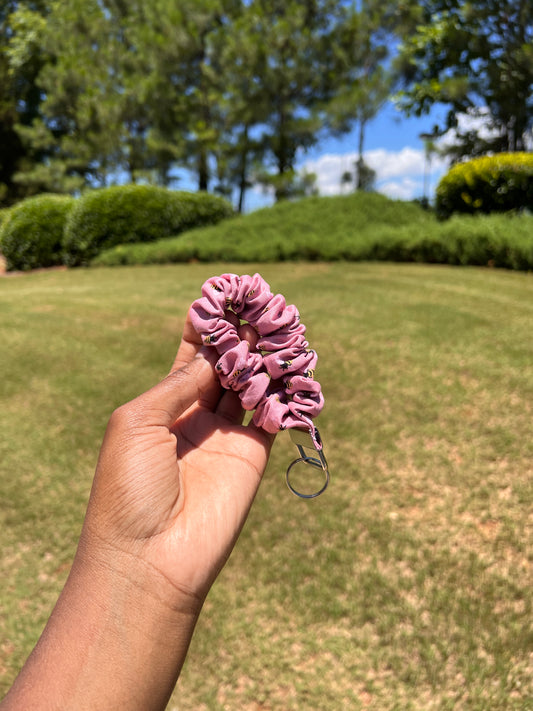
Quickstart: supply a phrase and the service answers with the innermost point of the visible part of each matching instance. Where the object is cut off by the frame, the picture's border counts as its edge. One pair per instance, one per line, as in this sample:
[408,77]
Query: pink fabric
[277,380]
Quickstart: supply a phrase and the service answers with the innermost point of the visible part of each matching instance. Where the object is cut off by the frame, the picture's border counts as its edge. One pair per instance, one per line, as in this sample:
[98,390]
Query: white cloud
[399,174]
[476,120]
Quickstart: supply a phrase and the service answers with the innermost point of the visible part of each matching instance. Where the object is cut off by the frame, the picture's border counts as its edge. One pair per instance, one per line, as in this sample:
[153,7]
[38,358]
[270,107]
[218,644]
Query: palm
[219,469]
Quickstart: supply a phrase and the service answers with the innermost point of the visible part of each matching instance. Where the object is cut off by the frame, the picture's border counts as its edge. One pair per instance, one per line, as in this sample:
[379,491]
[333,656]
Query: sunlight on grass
[407,585]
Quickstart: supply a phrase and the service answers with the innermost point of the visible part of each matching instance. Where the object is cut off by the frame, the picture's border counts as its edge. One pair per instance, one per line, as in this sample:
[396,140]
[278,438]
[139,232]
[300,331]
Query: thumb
[166,401]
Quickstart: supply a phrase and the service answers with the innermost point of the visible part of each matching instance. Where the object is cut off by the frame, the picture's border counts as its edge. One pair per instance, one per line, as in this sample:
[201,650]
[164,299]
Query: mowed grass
[407,585]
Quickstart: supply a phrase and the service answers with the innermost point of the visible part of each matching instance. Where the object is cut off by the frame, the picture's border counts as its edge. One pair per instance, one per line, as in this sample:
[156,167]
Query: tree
[476,58]
[19,94]
[295,70]
[367,77]
[12,149]
[76,134]
[187,78]
[242,108]
[228,89]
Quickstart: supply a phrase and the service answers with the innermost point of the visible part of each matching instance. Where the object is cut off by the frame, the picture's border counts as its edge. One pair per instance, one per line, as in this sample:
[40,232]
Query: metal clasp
[303,440]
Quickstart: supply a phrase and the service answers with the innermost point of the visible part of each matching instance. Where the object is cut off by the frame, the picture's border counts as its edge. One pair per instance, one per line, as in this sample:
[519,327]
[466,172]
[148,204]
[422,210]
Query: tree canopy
[476,58]
[96,91]
[229,89]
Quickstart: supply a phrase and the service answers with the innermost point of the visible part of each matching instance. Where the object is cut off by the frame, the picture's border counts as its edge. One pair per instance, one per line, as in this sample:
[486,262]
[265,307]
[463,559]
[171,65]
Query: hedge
[135,213]
[32,235]
[495,241]
[4,214]
[498,183]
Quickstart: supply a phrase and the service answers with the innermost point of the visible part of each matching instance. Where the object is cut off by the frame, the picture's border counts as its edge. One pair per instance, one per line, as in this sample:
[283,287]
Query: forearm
[116,639]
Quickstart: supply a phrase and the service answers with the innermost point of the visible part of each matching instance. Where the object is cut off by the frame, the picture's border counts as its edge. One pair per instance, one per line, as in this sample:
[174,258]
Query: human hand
[177,473]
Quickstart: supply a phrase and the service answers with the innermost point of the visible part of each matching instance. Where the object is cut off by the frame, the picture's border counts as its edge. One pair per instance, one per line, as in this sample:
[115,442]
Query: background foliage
[226,88]
[96,91]
[151,225]
[362,226]
[32,234]
[134,213]
[476,58]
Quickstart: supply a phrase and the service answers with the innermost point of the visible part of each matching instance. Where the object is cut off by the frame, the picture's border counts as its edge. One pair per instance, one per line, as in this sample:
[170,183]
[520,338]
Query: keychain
[304,441]
[277,379]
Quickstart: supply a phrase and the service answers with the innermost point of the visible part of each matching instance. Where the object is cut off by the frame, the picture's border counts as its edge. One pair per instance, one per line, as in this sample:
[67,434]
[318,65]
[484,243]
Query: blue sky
[393,148]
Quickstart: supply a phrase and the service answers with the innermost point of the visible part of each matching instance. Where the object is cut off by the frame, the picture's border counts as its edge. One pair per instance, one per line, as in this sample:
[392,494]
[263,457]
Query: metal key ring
[317,463]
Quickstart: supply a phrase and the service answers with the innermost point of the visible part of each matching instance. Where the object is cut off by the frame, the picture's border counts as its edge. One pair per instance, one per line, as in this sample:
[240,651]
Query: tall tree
[78,130]
[19,95]
[186,81]
[476,57]
[367,76]
[296,71]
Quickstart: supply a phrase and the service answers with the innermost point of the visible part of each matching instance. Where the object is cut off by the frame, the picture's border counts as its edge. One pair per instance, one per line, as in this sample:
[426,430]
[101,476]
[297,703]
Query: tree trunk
[360,161]
[243,171]
[283,158]
[203,172]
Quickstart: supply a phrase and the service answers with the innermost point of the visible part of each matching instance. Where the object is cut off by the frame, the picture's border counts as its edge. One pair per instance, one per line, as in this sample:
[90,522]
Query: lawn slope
[357,227]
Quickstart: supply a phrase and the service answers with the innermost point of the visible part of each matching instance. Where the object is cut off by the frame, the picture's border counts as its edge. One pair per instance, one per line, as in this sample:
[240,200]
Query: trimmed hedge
[4,214]
[135,213]
[498,183]
[502,240]
[32,235]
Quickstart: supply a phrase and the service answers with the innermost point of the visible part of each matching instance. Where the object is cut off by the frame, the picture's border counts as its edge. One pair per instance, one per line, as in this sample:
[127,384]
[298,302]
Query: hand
[177,473]
[175,479]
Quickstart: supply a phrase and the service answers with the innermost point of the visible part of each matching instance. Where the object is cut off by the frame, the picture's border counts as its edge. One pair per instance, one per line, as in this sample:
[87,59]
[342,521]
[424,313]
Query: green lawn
[407,585]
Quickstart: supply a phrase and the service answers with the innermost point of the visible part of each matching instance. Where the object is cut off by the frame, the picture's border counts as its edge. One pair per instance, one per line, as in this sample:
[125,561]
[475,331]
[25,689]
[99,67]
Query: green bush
[135,213]
[32,235]
[350,228]
[499,183]
[4,214]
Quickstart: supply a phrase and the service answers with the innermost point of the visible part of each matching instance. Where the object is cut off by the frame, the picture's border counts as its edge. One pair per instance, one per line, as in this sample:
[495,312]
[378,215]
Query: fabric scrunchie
[276,380]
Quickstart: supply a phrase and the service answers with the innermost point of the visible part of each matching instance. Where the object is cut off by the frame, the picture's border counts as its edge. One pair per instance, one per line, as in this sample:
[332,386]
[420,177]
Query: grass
[357,227]
[407,585]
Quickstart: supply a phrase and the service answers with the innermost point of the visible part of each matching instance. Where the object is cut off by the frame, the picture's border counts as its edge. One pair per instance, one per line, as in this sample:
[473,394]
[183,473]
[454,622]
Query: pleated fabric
[277,379]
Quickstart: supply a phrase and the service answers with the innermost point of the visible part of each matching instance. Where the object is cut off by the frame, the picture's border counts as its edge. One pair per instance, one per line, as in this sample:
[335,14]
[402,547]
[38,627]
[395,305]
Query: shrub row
[4,214]
[498,241]
[498,183]
[50,229]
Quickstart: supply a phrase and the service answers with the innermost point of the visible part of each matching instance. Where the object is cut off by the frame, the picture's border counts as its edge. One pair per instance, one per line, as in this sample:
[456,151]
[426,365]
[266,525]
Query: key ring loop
[303,439]
[314,463]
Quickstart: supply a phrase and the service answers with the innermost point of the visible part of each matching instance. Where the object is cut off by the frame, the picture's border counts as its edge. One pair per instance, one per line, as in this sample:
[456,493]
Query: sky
[393,148]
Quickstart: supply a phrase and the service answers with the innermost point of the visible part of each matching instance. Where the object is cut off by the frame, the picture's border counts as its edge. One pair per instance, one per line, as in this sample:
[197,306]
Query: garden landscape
[407,585]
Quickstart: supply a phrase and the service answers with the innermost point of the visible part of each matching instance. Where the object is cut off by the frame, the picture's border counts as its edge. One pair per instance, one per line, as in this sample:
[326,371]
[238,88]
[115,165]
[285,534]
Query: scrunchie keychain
[276,380]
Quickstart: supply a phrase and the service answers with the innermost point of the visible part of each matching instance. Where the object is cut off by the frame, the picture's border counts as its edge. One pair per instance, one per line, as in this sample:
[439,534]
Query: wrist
[119,633]
[125,578]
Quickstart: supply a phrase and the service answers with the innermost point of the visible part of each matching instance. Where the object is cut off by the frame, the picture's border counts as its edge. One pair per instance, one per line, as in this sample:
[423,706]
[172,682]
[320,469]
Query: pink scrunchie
[277,380]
